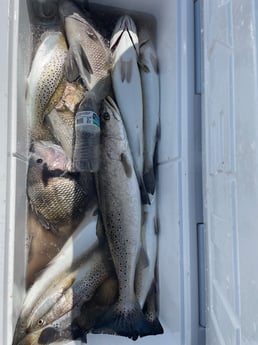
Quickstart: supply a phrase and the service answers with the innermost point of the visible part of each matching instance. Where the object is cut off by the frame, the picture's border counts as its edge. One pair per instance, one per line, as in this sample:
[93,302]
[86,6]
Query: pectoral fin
[67,283]
[126,70]
[143,66]
[143,259]
[77,64]
[100,230]
[149,180]
[144,193]
[71,67]
[156,225]
[127,165]
[154,62]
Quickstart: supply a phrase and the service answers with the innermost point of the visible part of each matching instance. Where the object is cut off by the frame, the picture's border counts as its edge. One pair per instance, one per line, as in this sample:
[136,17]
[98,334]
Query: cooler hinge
[197,47]
[201,274]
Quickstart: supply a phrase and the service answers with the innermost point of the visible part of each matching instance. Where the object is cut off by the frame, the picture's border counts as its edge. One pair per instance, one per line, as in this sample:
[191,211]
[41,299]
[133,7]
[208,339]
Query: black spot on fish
[47,174]
[48,335]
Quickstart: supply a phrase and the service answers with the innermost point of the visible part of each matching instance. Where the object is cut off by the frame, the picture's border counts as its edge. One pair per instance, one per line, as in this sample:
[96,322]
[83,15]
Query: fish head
[45,153]
[111,121]
[124,24]
[67,8]
[20,331]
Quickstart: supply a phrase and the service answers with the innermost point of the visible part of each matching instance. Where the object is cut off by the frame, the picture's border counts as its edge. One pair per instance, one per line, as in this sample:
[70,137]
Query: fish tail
[150,311]
[149,180]
[124,320]
[156,327]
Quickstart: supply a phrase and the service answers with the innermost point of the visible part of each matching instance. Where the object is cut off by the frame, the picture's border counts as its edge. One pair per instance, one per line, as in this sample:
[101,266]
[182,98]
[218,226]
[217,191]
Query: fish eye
[40,322]
[106,116]
[39,161]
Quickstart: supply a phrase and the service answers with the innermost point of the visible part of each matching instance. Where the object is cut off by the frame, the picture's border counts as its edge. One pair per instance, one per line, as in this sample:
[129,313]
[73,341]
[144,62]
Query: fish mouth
[124,24]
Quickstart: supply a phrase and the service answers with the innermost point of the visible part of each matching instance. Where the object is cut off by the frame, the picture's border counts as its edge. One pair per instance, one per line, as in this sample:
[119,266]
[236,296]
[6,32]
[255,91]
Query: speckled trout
[45,75]
[120,205]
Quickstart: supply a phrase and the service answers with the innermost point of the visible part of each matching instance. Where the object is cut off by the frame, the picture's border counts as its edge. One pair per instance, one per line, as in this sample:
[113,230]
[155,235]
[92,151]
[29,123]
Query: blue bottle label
[87,118]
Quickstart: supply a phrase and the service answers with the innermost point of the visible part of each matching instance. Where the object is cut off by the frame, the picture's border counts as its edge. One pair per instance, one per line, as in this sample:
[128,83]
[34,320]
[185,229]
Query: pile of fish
[102,276]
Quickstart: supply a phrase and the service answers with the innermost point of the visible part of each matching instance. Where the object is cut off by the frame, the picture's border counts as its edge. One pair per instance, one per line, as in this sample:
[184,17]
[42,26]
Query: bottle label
[87,118]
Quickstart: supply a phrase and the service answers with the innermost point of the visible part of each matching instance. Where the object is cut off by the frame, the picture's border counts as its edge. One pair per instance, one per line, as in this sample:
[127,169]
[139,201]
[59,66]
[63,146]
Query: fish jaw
[125,24]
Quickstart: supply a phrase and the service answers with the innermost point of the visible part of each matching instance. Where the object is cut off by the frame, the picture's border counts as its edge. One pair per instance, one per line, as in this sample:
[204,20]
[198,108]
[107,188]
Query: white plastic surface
[178,187]
[230,133]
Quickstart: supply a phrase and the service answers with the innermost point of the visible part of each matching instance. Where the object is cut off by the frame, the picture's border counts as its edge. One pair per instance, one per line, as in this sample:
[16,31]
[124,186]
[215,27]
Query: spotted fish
[46,73]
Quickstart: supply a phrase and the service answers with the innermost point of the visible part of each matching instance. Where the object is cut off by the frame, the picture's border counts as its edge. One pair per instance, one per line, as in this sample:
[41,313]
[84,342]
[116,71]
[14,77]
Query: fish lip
[124,24]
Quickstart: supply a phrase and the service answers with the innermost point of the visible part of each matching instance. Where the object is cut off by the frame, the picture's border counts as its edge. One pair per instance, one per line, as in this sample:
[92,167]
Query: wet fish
[71,290]
[148,63]
[61,131]
[120,205]
[128,90]
[42,246]
[76,323]
[145,274]
[60,120]
[88,56]
[46,73]
[81,242]
[55,194]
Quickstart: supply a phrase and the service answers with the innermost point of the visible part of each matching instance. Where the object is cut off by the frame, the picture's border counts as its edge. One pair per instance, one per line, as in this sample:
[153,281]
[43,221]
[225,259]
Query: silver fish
[145,278]
[71,290]
[60,120]
[120,205]
[77,322]
[145,274]
[88,56]
[42,246]
[148,63]
[82,241]
[45,75]
[127,88]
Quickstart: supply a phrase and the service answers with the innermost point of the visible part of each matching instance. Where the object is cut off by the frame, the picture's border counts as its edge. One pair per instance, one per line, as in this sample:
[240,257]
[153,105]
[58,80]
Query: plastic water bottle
[86,152]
